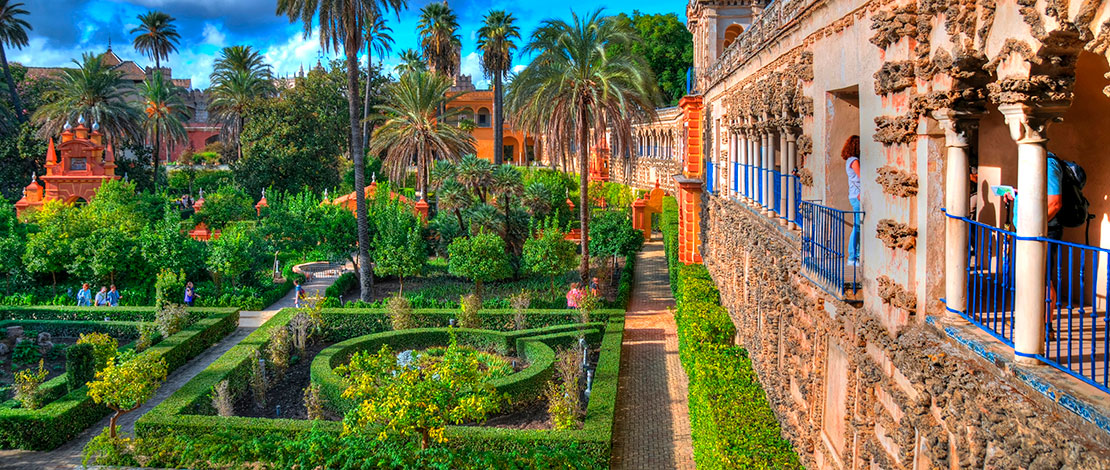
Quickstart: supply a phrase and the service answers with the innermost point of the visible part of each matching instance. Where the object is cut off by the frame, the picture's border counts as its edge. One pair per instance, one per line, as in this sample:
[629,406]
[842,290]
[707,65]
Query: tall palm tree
[239,76]
[377,40]
[341,25]
[439,38]
[164,112]
[495,40]
[91,90]
[578,80]
[411,61]
[13,33]
[411,127]
[157,38]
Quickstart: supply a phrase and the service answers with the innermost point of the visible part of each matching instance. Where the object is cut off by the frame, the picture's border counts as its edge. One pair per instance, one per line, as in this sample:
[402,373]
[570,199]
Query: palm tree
[164,112]
[157,39]
[377,40]
[439,37]
[411,127]
[13,33]
[411,61]
[232,94]
[578,81]
[91,90]
[495,40]
[239,76]
[341,23]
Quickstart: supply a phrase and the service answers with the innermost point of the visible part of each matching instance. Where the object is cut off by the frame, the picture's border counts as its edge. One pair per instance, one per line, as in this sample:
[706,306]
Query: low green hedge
[731,421]
[188,411]
[70,413]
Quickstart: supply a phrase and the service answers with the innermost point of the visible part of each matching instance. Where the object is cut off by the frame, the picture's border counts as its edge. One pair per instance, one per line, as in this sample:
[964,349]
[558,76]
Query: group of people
[105,297]
[577,292]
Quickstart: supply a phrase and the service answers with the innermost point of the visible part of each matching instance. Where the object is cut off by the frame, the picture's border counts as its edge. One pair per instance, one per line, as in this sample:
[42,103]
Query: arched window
[483,117]
[731,33]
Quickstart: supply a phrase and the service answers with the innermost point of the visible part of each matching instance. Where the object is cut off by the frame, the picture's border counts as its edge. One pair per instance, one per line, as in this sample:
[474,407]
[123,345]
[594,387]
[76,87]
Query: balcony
[826,234]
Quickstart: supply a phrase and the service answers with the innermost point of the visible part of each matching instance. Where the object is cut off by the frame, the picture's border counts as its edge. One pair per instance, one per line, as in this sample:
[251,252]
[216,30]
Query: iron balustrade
[776,191]
[793,183]
[1076,281]
[760,180]
[709,176]
[825,237]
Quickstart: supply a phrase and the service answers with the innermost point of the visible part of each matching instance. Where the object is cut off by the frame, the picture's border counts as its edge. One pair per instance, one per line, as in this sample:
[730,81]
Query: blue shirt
[1055,175]
[84,297]
[113,298]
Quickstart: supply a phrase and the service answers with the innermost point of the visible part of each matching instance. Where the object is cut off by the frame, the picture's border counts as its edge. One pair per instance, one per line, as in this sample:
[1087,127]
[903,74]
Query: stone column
[956,195]
[753,160]
[1028,130]
[791,165]
[783,171]
[768,177]
[745,152]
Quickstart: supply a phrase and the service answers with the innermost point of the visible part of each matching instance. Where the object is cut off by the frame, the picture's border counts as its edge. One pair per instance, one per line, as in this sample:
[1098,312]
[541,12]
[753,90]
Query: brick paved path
[652,429]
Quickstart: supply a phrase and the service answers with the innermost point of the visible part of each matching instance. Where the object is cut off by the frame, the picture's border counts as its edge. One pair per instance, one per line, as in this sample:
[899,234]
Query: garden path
[68,456]
[652,429]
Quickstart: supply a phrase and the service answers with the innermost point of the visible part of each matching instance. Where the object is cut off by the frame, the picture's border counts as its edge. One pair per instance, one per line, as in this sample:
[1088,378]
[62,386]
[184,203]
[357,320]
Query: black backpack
[1074,211]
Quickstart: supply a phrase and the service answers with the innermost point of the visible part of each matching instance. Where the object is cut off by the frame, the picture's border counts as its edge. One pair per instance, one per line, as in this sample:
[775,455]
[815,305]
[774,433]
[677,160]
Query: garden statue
[44,343]
[4,349]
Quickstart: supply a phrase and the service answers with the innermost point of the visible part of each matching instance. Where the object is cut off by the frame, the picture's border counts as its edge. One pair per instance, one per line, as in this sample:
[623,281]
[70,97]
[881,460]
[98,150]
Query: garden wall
[850,392]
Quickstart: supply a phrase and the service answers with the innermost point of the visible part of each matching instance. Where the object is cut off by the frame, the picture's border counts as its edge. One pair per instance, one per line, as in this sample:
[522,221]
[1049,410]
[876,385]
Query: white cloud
[519,68]
[287,58]
[213,36]
[472,65]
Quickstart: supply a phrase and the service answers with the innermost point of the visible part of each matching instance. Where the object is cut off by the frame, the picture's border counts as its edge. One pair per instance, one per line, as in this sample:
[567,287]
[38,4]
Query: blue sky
[63,29]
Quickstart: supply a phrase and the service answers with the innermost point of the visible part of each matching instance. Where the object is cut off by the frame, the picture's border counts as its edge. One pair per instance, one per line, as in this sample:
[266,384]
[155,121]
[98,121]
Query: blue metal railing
[735,178]
[825,235]
[747,180]
[794,184]
[1077,318]
[760,183]
[709,176]
[776,192]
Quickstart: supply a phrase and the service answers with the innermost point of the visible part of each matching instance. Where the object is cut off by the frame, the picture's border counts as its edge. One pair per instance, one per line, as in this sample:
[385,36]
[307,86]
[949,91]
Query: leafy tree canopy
[668,48]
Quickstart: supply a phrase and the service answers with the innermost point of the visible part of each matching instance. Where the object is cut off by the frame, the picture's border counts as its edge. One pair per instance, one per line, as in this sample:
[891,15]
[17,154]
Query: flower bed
[731,421]
[68,413]
[189,411]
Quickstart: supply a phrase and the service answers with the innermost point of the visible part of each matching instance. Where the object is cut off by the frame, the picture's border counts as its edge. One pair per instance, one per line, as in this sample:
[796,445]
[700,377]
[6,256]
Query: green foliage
[13,238]
[22,153]
[27,383]
[563,393]
[189,180]
[667,46]
[400,313]
[468,310]
[551,254]
[301,223]
[398,244]
[104,348]
[277,353]
[80,365]
[126,386]
[170,319]
[167,285]
[482,258]
[342,284]
[24,353]
[238,252]
[611,234]
[417,401]
[224,206]
[165,246]
[731,420]
[296,140]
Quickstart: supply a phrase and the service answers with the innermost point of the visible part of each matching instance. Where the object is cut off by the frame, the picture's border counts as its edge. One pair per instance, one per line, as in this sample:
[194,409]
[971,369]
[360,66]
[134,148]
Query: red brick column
[689,183]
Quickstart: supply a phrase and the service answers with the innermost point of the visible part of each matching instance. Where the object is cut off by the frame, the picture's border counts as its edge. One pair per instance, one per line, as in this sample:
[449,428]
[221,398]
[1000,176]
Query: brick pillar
[690,183]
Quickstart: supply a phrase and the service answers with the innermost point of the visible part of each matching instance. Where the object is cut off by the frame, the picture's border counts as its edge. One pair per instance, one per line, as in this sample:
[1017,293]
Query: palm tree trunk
[157,153]
[366,99]
[584,194]
[498,122]
[238,138]
[11,86]
[366,282]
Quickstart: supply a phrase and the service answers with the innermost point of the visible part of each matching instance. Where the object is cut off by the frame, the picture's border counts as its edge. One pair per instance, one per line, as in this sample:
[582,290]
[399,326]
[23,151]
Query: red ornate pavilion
[74,172]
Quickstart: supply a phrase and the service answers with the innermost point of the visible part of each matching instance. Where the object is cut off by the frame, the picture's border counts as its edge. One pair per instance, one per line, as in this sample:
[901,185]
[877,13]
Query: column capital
[1028,125]
[956,125]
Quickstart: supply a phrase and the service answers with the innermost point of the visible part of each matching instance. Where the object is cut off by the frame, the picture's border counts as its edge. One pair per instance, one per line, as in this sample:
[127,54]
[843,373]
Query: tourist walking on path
[84,296]
[190,294]
[113,297]
[101,297]
[298,294]
[850,154]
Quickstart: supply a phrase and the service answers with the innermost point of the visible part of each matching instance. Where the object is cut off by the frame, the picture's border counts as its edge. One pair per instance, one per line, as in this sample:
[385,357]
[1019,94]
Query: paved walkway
[68,456]
[652,429]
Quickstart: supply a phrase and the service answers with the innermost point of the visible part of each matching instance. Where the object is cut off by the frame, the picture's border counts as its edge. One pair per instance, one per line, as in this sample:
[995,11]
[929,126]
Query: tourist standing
[850,154]
[298,294]
[101,297]
[573,295]
[190,294]
[113,297]
[84,296]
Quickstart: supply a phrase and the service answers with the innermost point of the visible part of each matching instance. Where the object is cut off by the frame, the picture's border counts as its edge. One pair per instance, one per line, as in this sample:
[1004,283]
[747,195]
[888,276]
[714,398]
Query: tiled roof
[110,58]
[131,71]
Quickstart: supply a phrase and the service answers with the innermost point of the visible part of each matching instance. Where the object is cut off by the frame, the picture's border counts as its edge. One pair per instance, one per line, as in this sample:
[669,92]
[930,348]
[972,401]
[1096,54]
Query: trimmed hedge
[70,413]
[731,421]
[188,411]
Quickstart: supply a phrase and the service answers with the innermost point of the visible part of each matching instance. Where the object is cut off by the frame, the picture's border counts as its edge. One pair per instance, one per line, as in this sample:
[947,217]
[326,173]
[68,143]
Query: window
[78,164]
[483,118]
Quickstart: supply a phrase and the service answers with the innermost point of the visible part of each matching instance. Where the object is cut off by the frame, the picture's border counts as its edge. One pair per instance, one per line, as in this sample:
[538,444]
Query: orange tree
[125,386]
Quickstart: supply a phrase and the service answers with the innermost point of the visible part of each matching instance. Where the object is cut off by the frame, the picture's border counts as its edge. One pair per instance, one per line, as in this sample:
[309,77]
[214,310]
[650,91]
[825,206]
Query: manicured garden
[50,407]
[731,421]
[362,368]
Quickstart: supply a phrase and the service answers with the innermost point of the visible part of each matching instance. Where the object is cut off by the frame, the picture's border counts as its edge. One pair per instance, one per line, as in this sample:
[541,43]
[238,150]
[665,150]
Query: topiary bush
[80,365]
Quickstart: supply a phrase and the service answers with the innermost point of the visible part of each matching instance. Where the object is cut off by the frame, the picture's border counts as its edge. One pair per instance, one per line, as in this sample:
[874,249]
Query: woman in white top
[850,154]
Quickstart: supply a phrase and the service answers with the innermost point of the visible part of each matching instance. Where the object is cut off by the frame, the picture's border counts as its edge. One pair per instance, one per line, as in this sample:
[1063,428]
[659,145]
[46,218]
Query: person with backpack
[298,294]
[1066,207]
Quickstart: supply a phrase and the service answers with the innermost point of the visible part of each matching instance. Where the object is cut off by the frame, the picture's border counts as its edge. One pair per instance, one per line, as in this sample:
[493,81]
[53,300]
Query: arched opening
[211,140]
[483,117]
[511,147]
[731,32]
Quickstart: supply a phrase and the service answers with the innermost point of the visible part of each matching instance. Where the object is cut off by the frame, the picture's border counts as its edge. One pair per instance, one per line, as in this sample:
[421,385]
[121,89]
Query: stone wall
[643,172]
[853,393]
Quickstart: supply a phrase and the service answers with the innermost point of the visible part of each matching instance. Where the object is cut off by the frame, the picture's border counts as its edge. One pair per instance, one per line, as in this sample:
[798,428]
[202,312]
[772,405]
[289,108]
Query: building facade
[966,335]
[477,106]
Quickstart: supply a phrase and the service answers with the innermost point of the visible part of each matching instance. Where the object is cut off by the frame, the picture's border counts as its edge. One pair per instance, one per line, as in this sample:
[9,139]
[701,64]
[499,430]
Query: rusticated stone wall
[645,172]
[851,393]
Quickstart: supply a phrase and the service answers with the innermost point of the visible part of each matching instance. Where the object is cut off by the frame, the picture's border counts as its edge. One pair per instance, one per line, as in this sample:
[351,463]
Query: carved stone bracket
[896,235]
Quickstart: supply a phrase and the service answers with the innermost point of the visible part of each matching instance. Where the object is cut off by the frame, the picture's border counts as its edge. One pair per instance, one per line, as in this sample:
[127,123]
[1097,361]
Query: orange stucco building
[477,106]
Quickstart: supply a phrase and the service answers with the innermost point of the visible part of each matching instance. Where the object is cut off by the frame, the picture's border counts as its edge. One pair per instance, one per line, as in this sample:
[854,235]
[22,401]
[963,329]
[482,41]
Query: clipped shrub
[170,319]
[468,311]
[80,365]
[148,334]
[104,347]
[519,303]
[399,310]
[313,402]
[257,381]
[278,352]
